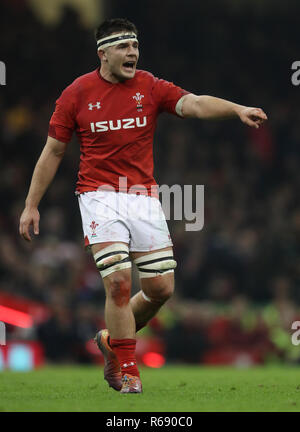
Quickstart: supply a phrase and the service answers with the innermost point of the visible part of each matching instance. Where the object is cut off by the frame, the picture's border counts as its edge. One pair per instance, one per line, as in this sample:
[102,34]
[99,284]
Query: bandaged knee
[155,264]
[112,258]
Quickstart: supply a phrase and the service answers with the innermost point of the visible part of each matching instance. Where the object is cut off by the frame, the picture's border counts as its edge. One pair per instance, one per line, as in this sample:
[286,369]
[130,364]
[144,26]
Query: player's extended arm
[43,174]
[209,107]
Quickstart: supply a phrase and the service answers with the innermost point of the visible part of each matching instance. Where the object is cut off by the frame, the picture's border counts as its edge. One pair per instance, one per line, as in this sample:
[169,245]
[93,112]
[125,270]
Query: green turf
[171,388]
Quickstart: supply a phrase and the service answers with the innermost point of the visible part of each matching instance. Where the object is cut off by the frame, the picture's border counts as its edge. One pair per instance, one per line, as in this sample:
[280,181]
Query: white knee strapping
[156,263]
[112,258]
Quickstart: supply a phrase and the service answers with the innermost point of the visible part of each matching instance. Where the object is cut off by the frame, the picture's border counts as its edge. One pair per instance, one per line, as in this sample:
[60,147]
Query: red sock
[125,352]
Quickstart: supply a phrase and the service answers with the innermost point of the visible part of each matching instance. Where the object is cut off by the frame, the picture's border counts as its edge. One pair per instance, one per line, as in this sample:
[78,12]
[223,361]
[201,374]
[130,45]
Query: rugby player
[113,110]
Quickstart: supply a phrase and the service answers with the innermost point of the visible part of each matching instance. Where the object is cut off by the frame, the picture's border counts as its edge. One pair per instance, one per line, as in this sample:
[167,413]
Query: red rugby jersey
[115,125]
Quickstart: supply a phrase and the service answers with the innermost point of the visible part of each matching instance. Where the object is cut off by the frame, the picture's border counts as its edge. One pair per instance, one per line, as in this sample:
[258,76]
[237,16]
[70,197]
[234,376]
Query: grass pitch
[170,389]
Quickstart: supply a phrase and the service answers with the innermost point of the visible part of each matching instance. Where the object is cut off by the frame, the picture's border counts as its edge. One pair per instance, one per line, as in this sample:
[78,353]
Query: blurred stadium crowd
[237,281]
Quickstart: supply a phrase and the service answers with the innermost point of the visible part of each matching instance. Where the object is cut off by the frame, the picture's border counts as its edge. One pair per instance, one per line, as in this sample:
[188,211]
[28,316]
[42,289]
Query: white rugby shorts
[138,220]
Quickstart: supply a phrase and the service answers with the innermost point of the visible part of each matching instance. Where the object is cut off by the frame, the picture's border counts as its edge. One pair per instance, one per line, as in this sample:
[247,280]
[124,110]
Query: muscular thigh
[99,246]
[134,255]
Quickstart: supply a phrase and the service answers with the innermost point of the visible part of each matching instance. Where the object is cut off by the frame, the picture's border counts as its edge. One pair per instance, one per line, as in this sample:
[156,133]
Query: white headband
[115,39]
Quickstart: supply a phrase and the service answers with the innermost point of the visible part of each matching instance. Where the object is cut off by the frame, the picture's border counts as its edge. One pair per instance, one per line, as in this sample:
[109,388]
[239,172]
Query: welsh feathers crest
[93,227]
[138,98]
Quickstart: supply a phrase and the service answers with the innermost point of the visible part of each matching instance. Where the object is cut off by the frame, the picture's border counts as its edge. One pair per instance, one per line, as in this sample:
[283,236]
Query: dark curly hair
[114,25]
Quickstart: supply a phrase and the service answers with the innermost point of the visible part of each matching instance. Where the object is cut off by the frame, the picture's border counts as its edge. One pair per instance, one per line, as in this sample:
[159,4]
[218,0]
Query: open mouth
[129,65]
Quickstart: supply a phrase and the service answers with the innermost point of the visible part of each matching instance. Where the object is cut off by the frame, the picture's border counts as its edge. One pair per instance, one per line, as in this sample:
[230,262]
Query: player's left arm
[209,107]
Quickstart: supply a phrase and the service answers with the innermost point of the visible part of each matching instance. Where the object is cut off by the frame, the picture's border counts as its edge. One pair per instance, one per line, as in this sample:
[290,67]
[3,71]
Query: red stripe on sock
[125,352]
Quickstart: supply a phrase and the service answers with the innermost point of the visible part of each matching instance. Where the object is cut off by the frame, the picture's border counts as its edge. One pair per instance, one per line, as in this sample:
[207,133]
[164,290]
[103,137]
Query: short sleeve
[62,122]
[166,95]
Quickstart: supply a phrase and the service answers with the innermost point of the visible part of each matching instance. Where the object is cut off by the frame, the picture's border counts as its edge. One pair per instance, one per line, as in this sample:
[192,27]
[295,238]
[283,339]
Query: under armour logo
[96,105]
